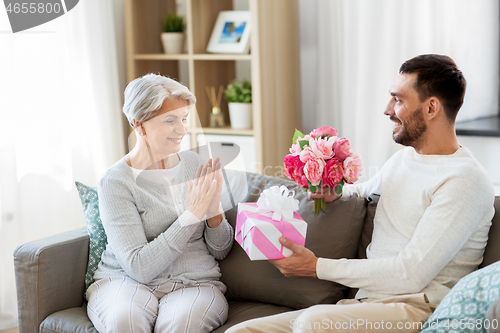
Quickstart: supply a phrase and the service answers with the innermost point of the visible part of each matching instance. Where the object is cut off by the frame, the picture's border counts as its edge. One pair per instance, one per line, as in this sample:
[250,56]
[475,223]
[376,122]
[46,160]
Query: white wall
[308,58]
[487,151]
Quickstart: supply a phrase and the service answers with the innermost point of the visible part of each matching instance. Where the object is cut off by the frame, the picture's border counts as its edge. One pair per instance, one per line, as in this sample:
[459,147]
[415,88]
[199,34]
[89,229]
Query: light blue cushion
[464,308]
[98,239]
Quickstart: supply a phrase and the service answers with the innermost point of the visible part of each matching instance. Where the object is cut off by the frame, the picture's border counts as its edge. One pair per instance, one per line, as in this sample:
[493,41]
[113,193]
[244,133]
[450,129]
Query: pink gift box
[258,234]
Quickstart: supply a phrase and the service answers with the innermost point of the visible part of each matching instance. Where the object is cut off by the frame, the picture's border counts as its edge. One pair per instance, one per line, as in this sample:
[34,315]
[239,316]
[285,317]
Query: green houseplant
[173,33]
[239,92]
[173,23]
[239,96]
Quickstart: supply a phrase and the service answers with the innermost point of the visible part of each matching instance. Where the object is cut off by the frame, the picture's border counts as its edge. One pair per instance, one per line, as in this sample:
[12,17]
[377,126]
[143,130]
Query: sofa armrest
[50,276]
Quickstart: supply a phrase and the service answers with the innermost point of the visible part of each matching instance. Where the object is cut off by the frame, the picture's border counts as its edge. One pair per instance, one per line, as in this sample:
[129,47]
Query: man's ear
[434,108]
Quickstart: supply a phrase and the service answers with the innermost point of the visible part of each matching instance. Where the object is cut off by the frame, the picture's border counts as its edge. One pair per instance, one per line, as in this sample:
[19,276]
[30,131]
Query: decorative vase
[173,42]
[240,115]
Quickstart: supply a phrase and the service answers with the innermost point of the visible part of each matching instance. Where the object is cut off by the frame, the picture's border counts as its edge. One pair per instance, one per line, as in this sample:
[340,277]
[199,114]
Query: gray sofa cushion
[333,234]
[75,320]
[366,234]
[492,251]
[241,311]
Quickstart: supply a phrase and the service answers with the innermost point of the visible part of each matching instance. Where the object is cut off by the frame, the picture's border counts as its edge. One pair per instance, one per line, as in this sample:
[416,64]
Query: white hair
[145,95]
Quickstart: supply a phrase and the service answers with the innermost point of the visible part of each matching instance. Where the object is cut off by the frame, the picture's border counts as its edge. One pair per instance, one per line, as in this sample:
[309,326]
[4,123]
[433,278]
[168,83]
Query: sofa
[50,272]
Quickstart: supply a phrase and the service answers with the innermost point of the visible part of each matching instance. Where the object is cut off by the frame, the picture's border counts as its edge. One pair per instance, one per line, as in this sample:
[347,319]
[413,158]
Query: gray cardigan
[152,238]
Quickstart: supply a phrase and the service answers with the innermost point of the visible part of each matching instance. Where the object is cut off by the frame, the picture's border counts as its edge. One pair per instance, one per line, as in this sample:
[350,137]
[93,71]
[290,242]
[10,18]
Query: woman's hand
[201,191]
[214,206]
[330,194]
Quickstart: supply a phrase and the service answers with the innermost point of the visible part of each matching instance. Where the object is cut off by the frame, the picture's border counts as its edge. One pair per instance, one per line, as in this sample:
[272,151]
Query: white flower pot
[173,42]
[240,115]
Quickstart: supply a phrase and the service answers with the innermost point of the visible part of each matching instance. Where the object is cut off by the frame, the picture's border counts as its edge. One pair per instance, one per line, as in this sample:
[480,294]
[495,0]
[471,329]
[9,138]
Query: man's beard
[412,130]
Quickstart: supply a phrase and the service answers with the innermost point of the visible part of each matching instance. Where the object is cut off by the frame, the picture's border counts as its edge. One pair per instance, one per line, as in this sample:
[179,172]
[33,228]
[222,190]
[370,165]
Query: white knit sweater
[430,227]
[144,222]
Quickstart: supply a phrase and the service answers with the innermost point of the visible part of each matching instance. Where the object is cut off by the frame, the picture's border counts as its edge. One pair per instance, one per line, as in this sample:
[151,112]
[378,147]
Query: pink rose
[314,170]
[293,168]
[307,154]
[352,168]
[333,173]
[289,166]
[342,149]
[295,149]
[324,131]
[300,177]
[306,137]
[322,148]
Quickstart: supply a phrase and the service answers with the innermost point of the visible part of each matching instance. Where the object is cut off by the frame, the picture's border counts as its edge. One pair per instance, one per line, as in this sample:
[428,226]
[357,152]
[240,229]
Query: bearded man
[431,224]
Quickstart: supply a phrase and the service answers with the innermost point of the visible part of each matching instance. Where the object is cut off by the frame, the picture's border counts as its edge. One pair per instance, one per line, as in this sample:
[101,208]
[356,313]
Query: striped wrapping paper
[258,234]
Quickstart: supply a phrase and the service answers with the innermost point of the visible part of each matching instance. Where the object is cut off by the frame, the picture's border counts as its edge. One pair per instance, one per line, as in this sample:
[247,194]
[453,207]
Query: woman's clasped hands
[204,192]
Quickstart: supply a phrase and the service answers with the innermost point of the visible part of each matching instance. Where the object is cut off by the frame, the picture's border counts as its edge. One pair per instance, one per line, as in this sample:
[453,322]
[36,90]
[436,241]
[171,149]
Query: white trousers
[405,313]
[122,305]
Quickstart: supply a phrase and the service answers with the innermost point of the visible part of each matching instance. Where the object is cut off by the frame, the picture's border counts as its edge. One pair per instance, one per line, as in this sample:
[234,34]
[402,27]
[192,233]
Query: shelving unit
[274,67]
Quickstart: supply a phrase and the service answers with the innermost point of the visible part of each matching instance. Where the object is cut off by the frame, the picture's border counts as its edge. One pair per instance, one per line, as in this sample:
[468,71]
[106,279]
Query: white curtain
[351,51]
[60,105]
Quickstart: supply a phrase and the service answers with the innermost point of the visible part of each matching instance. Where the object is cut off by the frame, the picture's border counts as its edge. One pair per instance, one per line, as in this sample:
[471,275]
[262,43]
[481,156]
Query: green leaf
[340,186]
[296,135]
[302,143]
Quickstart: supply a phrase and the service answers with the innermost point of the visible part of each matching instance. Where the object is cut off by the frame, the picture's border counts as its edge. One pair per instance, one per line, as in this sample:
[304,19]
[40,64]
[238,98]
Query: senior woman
[161,212]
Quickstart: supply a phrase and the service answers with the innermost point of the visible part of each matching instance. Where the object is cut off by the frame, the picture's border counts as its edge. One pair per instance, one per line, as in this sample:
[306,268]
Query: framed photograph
[231,33]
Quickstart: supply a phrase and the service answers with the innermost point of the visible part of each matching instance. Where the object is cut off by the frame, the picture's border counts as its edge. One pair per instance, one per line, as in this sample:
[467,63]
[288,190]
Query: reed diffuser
[216,117]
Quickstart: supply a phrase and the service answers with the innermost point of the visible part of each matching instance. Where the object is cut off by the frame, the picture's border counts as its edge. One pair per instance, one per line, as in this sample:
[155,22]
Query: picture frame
[231,33]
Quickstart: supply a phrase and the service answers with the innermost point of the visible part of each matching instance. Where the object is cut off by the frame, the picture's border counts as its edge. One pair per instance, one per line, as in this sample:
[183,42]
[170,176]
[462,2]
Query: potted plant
[172,36]
[239,96]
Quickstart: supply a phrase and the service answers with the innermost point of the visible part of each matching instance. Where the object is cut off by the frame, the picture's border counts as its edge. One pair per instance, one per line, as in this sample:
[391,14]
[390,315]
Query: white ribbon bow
[279,200]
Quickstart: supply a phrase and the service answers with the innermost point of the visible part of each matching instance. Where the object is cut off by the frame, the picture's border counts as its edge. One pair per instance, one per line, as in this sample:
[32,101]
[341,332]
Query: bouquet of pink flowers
[321,159]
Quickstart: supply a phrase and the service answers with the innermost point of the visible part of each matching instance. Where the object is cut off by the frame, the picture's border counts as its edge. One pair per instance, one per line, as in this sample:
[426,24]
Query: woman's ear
[139,127]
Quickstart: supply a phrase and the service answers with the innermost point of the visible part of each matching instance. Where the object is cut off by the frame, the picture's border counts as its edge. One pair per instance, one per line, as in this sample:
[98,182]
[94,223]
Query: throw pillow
[97,235]
[332,234]
[464,308]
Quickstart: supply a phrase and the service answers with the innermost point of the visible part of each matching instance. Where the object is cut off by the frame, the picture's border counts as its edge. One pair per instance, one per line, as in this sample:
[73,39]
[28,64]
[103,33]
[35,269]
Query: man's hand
[330,194]
[300,264]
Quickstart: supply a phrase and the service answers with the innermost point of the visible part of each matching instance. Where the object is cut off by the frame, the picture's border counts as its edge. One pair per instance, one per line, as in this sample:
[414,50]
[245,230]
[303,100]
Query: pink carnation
[342,149]
[333,173]
[314,170]
[324,131]
[352,168]
[322,148]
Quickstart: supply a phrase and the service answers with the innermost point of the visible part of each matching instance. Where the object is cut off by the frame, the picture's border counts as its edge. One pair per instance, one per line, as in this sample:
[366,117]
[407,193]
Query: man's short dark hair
[437,75]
